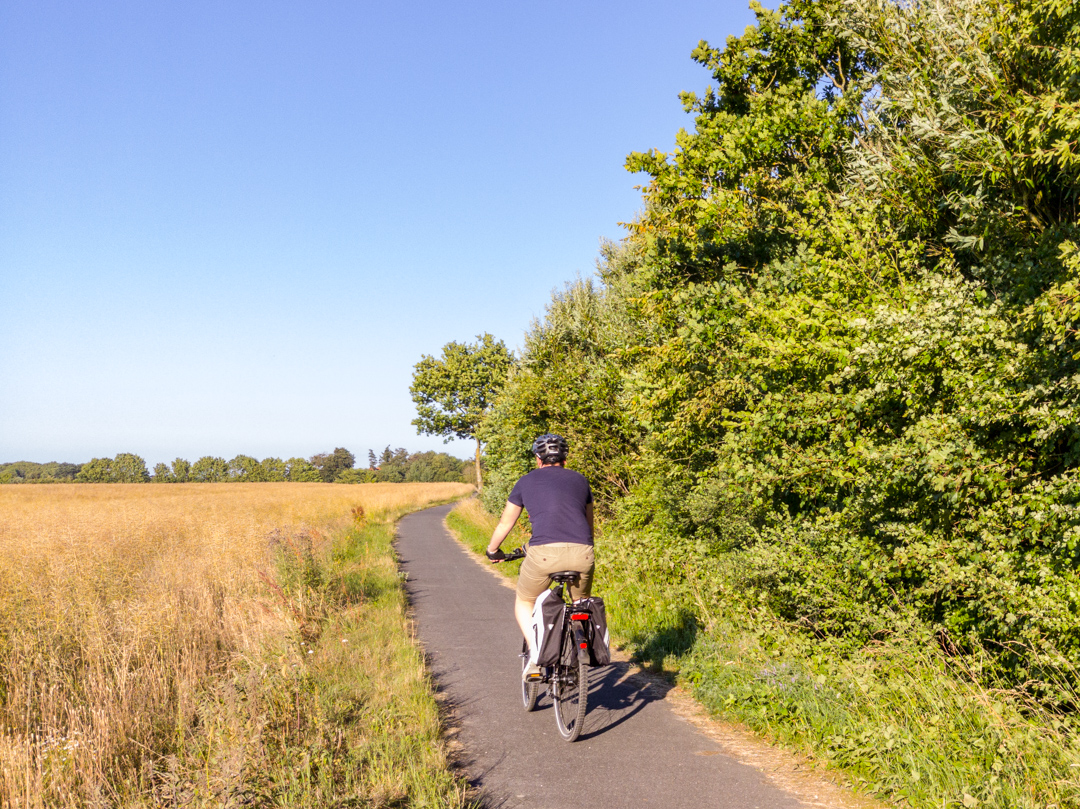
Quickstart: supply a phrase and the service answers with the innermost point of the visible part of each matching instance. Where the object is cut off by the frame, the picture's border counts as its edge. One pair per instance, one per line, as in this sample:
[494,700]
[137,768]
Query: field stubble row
[125,608]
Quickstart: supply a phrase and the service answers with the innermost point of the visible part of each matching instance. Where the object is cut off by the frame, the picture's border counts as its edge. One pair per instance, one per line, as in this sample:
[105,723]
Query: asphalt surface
[634,751]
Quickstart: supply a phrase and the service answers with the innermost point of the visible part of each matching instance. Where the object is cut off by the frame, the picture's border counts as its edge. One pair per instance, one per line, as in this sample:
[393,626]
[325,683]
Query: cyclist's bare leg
[523,612]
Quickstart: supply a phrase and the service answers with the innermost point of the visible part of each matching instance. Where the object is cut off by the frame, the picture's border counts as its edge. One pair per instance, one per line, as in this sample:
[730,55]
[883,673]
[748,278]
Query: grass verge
[341,713]
[901,720]
[473,526]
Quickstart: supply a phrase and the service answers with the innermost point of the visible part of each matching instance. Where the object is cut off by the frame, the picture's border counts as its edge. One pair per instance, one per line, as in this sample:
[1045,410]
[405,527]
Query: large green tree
[454,393]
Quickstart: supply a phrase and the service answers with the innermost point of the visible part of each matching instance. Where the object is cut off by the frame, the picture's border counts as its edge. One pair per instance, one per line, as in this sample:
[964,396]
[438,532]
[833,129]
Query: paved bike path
[633,750]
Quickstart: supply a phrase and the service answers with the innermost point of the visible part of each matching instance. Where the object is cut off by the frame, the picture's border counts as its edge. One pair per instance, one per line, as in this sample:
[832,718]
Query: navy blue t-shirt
[555,498]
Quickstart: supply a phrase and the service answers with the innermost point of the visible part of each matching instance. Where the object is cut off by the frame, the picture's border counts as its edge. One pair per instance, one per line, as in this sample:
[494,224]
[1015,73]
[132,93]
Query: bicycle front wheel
[571,693]
[530,692]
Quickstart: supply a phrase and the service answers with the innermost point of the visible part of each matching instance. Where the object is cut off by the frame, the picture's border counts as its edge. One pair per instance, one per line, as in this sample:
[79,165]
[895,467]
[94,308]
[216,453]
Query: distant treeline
[29,472]
[339,466]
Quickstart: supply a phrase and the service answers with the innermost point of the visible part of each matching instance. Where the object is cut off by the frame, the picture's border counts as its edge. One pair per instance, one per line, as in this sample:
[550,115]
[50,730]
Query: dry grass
[119,604]
[474,527]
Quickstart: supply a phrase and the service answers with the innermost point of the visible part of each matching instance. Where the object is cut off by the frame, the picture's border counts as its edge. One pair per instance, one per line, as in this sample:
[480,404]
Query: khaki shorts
[543,560]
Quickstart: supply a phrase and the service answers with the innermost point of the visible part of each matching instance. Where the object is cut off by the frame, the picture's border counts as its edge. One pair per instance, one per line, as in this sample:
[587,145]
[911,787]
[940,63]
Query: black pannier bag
[547,628]
[597,633]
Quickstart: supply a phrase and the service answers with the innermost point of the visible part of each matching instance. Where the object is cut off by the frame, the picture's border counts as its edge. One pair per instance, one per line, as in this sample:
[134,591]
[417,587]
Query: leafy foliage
[274,469]
[564,384]
[245,468]
[301,470]
[30,472]
[833,368]
[331,465]
[124,468]
[181,471]
[209,469]
[398,466]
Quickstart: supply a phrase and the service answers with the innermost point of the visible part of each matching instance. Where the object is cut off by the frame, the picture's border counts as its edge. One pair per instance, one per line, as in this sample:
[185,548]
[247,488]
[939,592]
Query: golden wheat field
[118,603]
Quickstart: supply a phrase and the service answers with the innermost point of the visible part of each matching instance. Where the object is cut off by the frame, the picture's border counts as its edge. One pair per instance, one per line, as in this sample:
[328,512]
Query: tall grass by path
[901,719]
[201,645]
[473,526]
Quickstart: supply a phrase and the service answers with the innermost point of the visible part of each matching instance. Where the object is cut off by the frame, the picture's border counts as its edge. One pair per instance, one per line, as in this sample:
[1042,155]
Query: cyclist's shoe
[532,674]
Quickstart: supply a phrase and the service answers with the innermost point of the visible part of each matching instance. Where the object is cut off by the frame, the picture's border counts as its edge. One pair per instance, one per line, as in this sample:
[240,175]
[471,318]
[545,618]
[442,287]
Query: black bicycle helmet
[550,448]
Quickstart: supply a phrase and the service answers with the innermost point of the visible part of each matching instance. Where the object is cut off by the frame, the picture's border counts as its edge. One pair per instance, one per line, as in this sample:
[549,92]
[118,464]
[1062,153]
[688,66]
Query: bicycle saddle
[566,576]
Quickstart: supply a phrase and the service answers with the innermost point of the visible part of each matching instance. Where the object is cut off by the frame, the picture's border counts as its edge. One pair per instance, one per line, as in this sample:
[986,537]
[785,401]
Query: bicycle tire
[530,692]
[570,693]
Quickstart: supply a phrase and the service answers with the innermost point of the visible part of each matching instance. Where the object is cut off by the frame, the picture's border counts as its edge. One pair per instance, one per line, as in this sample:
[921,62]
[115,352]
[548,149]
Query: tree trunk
[479,479]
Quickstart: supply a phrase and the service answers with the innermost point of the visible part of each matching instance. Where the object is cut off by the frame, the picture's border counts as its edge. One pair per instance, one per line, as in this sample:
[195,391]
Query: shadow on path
[615,696]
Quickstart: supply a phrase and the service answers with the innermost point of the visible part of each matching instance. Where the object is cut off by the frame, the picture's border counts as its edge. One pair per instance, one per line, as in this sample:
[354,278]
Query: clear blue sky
[234,227]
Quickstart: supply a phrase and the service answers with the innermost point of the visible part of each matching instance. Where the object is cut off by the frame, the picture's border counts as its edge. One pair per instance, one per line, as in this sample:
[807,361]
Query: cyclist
[560,506]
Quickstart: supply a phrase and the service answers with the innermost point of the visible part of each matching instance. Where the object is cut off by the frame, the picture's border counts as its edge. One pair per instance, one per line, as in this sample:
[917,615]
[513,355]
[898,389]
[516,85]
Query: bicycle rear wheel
[570,691]
[530,692]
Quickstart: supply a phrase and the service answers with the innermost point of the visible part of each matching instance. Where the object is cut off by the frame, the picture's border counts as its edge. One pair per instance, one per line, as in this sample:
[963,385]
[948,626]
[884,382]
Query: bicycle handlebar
[516,553]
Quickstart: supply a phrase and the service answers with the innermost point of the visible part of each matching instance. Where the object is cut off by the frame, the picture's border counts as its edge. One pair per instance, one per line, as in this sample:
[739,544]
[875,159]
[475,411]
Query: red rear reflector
[583,645]
[579,616]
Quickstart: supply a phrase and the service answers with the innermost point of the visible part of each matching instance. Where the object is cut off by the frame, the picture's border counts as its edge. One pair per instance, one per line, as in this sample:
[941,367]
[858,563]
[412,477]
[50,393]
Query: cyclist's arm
[589,517]
[506,523]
